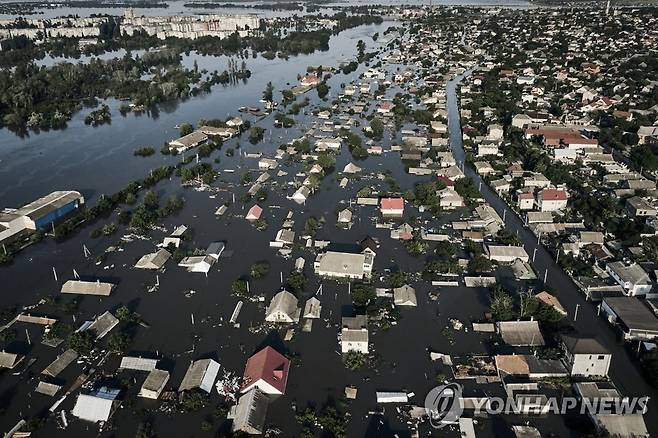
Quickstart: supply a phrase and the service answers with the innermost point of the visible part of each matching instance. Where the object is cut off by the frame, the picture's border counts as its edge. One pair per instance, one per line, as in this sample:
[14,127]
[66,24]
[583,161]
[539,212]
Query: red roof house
[310,80]
[254,213]
[445,180]
[268,370]
[553,195]
[392,206]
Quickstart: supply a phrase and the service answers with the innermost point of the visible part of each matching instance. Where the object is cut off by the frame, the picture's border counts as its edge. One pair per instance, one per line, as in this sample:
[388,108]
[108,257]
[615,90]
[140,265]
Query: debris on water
[456,324]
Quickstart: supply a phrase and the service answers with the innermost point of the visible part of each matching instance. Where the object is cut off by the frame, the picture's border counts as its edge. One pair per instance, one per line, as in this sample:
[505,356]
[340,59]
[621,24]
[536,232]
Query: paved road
[624,370]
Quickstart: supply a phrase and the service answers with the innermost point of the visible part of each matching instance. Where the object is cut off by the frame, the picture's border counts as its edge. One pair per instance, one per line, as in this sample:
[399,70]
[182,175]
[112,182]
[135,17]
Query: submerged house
[283,308]
[96,406]
[249,413]
[348,262]
[154,384]
[154,260]
[266,370]
[354,334]
[201,374]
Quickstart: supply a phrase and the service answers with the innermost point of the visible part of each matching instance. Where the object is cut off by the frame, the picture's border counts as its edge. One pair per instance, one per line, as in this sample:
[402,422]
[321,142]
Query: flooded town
[326,219]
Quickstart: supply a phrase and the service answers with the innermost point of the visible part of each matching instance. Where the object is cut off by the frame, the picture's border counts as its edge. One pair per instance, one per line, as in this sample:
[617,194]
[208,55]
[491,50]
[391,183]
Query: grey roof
[103,324]
[93,408]
[633,273]
[46,388]
[9,360]
[191,139]
[631,425]
[215,249]
[51,202]
[506,251]
[284,302]
[577,345]
[599,390]
[634,314]
[250,412]
[87,288]
[200,374]
[154,260]
[138,363]
[349,335]
[404,296]
[60,364]
[357,322]
[312,308]
[155,380]
[545,366]
[340,263]
[521,333]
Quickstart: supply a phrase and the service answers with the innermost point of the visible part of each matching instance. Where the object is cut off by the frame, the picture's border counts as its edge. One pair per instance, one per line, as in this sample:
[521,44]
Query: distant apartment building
[189,26]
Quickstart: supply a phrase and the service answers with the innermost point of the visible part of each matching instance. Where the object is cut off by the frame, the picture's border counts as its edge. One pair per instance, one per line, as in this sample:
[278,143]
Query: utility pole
[534,253]
[575,315]
[545,275]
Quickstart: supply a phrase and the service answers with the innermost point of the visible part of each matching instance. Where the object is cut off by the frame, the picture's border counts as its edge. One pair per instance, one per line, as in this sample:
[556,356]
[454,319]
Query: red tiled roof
[445,180]
[526,195]
[268,365]
[553,195]
[255,211]
[392,204]
[576,139]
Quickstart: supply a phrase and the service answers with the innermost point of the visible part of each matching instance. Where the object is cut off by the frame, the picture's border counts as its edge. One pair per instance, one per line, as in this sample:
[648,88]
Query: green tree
[260,270]
[376,128]
[479,264]
[185,129]
[354,360]
[268,94]
[323,90]
[82,342]
[296,281]
[118,343]
[502,304]
[362,295]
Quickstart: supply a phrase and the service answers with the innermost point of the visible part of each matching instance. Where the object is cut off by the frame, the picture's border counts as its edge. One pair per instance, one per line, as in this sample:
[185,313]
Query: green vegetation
[146,151]
[193,400]
[118,343]
[467,189]
[259,270]
[355,145]
[256,134]
[239,288]
[354,360]
[99,116]
[362,295]
[502,304]
[376,128]
[268,93]
[326,160]
[296,281]
[479,265]
[322,89]
[82,342]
